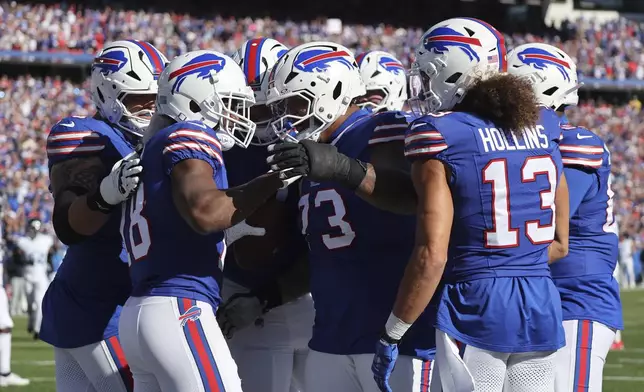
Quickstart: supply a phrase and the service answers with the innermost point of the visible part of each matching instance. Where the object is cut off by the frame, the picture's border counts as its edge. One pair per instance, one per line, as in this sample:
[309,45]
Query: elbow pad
[64,231]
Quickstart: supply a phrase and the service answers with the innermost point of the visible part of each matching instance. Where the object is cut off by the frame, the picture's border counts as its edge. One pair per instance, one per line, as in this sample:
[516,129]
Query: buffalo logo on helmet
[201,66]
[390,64]
[441,39]
[318,59]
[110,62]
[540,59]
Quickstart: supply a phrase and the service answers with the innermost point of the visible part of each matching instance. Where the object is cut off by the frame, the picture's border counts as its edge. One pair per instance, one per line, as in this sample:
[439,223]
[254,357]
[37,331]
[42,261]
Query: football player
[92,170]
[269,352]
[486,172]
[355,263]
[173,228]
[592,310]
[35,247]
[7,377]
[385,80]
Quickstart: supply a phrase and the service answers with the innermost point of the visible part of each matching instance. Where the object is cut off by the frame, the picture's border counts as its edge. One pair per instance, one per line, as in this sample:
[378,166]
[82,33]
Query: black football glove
[317,161]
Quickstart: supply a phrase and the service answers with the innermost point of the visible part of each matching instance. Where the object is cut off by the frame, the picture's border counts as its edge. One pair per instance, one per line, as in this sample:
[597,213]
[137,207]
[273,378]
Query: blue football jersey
[585,276]
[242,166]
[167,257]
[498,294]
[358,253]
[82,304]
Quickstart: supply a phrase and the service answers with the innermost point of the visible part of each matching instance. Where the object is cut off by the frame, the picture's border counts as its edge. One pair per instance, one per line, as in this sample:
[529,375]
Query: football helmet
[208,86]
[256,57]
[552,73]
[385,80]
[451,57]
[120,72]
[310,87]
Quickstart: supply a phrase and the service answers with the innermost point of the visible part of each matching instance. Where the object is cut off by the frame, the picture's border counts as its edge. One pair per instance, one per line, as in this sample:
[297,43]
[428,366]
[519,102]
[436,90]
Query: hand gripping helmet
[208,86]
[552,73]
[122,70]
[256,57]
[310,87]
[451,57]
[385,79]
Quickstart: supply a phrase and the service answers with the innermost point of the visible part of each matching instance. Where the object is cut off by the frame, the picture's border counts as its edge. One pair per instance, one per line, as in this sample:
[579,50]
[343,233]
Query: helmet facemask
[295,118]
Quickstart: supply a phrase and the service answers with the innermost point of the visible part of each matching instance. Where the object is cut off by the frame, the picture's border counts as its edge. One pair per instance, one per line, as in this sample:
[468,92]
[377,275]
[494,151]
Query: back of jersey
[584,277]
[593,241]
[167,257]
[503,188]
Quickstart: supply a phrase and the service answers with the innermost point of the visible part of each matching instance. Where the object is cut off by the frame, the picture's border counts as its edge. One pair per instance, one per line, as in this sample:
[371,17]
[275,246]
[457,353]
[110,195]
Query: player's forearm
[388,189]
[556,251]
[73,220]
[217,210]
[422,276]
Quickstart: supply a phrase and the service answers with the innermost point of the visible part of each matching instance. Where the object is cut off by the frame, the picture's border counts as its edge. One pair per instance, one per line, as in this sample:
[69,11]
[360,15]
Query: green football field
[624,370]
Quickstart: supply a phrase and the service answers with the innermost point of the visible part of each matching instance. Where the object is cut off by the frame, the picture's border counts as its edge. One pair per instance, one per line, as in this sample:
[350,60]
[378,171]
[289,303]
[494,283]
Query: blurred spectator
[626,260]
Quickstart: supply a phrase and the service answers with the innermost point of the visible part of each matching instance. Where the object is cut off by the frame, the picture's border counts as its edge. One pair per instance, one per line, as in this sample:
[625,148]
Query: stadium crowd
[611,50]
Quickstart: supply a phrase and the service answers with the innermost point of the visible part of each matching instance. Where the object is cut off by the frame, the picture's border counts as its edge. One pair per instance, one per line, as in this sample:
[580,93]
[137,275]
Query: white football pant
[627,270]
[580,363]
[6,322]
[271,354]
[97,367]
[175,345]
[466,368]
[36,285]
[352,373]
[19,295]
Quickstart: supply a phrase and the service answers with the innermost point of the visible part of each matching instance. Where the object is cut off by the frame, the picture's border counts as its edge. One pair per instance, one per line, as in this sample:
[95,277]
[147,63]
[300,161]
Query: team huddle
[290,220]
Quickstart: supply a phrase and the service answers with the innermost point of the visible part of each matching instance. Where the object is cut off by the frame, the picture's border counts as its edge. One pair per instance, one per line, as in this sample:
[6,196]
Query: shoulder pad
[389,126]
[581,147]
[76,137]
[192,136]
[423,140]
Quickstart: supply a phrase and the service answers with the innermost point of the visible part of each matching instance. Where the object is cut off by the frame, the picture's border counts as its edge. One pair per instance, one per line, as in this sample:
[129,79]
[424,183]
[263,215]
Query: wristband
[95,202]
[395,327]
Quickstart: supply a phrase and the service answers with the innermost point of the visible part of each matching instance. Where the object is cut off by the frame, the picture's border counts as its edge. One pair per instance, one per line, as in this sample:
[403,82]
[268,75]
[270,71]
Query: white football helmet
[451,57]
[385,80]
[310,87]
[208,86]
[256,57]
[551,71]
[120,72]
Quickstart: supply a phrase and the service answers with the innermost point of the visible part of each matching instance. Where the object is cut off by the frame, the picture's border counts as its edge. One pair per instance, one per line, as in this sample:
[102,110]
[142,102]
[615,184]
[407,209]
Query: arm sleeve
[580,182]
[423,141]
[392,128]
[585,153]
[71,142]
[185,144]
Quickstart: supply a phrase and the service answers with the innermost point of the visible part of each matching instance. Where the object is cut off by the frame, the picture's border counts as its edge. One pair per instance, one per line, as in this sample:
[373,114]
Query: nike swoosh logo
[199,124]
[584,137]
[399,116]
[418,125]
[70,124]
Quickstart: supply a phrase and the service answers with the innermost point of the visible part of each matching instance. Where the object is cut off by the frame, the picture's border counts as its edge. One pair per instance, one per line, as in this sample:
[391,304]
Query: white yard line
[624,378]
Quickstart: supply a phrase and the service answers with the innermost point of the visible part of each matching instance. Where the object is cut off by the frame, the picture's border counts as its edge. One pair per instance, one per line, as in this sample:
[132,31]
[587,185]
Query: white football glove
[241,230]
[123,180]
[239,312]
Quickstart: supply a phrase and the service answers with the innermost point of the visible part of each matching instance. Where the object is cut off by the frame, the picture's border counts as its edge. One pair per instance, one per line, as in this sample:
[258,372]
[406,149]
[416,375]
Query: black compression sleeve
[64,230]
